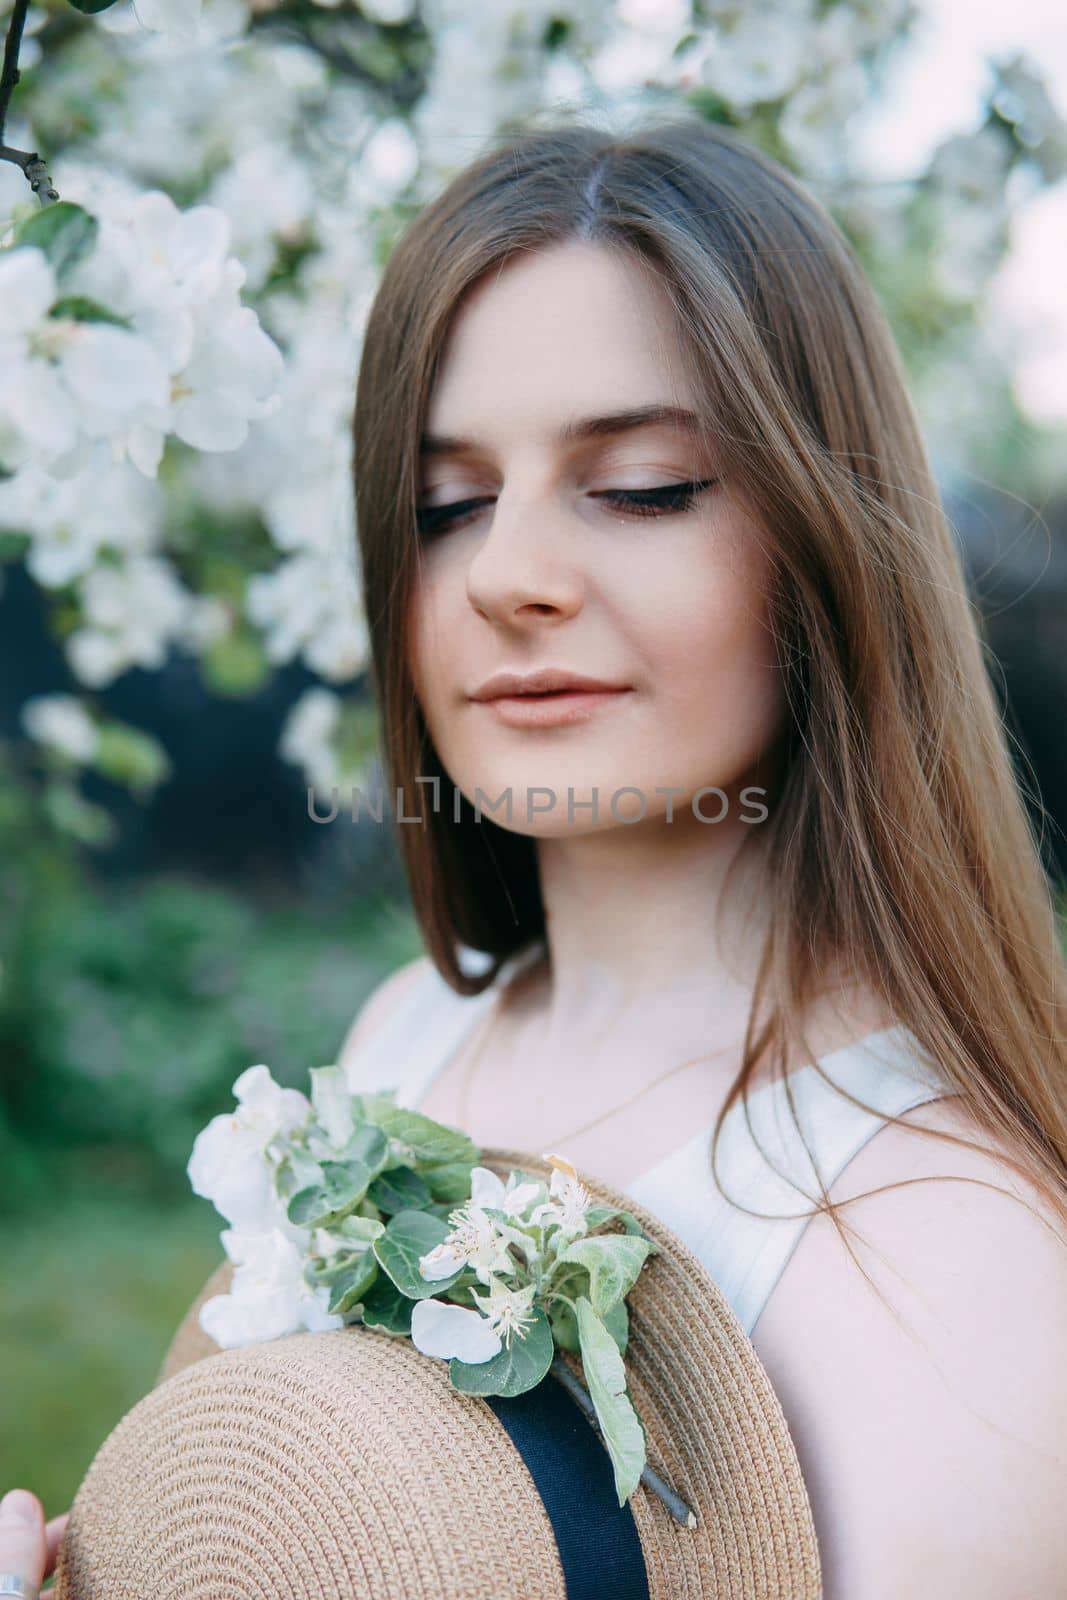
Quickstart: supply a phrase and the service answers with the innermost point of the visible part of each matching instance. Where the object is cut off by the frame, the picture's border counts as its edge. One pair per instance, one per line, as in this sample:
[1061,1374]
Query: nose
[524,569]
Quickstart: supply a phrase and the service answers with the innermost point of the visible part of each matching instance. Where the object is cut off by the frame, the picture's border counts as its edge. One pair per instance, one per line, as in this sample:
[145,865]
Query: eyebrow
[605,426]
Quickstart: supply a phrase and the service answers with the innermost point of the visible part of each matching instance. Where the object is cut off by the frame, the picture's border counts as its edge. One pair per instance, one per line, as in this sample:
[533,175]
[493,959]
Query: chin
[532,811]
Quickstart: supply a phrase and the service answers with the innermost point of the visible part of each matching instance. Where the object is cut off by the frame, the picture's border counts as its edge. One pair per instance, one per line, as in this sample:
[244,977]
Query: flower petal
[487,1189]
[443,1330]
[440,1262]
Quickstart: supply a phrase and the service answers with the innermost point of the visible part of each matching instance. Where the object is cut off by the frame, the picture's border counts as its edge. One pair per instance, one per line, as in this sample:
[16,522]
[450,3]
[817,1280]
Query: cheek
[712,659]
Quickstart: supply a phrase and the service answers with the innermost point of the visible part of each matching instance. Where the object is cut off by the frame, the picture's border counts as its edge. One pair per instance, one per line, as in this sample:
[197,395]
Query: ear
[190,1343]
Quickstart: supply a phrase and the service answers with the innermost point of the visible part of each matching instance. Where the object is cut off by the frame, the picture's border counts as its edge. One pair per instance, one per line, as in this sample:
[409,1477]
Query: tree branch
[30,162]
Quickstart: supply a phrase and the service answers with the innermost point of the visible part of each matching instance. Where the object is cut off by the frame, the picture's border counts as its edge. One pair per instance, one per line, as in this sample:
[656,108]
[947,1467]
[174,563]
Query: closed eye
[658,502]
[663,500]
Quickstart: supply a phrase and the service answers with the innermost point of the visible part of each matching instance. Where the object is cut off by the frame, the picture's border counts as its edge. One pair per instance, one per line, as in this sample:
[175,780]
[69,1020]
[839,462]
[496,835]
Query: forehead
[555,337]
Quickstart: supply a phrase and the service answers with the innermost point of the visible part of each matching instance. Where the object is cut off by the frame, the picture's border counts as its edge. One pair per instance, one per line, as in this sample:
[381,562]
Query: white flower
[488,1192]
[180,18]
[132,613]
[268,1296]
[507,1311]
[475,1241]
[760,55]
[389,160]
[66,381]
[110,374]
[571,1199]
[61,722]
[308,604]
[232,376]
[193,361]
[307,737]
[267,193]
[95,657]
[71,519]
[228,1165]
[813,116]
[443,1330]
[35,414]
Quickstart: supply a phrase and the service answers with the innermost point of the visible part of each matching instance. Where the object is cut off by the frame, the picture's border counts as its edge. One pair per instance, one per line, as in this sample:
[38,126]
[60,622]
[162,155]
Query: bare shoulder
[386,998]
[930,1409]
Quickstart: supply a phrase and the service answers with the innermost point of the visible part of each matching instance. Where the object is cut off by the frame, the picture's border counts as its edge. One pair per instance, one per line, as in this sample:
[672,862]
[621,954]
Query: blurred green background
[127,1010]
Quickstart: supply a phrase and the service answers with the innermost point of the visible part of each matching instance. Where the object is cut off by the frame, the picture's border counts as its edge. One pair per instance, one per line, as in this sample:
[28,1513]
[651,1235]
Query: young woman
[630,414]
[770,943]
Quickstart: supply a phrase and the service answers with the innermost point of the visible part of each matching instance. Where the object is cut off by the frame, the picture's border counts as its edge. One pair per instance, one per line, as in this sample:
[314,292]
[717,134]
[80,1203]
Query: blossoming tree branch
[196,200]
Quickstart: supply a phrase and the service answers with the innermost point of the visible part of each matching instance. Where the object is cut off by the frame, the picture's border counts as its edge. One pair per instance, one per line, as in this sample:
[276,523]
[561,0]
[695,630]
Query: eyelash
[664,500]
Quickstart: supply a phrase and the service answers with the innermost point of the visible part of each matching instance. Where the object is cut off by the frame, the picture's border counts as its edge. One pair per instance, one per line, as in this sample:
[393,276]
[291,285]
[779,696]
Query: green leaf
[409,1236]
[362,1101]
[564,1325]
[82,309]
[65,232]
[428,1140]
[328,1271]
[363,1143]
[297,1171]
[131,757]
[614,1261]
[350,1287]
[235,665]
[399,1189]
[91,8]
[384,1307]
[367,1144]
[358,1230]
[13,543]
[331,1103]
[617,1322]
[461,1293]
[513,1371]
[605,1378]
[450,1182]
[596,1216]
[69,812]
[308,1206]
[344,1186]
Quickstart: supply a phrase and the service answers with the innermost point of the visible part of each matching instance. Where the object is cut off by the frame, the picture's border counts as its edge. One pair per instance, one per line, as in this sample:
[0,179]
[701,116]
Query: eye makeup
[661,500]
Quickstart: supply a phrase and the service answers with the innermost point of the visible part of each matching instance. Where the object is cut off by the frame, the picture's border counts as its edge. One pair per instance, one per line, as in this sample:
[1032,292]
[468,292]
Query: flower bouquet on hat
[363,1398]
[348,1208]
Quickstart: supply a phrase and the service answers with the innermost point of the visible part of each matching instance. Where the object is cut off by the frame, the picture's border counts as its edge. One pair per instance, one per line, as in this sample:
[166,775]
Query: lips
[547,681]
[552,709]
[551,694]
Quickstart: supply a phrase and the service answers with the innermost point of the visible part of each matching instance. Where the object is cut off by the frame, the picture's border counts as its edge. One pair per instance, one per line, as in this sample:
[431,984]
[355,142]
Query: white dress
[744,1254]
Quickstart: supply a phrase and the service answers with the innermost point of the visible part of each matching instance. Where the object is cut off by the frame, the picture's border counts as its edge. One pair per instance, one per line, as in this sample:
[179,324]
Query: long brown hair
[902,846]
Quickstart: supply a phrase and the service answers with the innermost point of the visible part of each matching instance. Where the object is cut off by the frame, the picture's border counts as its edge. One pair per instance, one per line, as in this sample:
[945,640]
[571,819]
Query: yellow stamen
[561,1164]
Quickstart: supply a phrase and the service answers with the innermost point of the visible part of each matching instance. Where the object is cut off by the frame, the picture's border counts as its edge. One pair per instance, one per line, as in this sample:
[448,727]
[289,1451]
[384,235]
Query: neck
[645,920]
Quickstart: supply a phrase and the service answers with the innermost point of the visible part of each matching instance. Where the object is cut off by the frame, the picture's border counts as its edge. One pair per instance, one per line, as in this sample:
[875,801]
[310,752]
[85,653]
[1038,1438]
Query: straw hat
[343,1464]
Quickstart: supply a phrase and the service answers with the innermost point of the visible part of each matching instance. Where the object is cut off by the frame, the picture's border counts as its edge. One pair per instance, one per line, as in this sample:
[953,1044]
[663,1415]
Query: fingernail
[18,1505]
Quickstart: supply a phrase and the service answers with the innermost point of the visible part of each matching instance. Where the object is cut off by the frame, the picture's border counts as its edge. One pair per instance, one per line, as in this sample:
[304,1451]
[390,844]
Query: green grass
[125,1017]
[92,1294]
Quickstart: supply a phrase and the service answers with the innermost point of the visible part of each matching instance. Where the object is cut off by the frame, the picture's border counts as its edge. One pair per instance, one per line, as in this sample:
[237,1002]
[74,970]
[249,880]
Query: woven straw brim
[342,1465]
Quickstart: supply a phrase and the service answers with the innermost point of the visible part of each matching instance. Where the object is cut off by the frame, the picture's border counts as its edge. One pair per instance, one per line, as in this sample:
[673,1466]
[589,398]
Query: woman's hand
[28,1546]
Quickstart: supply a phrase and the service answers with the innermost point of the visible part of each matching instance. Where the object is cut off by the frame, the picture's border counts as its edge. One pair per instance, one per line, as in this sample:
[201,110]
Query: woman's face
[544,570]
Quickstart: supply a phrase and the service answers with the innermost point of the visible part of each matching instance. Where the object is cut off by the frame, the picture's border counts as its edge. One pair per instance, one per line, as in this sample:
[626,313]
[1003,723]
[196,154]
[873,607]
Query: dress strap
[745,1254]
